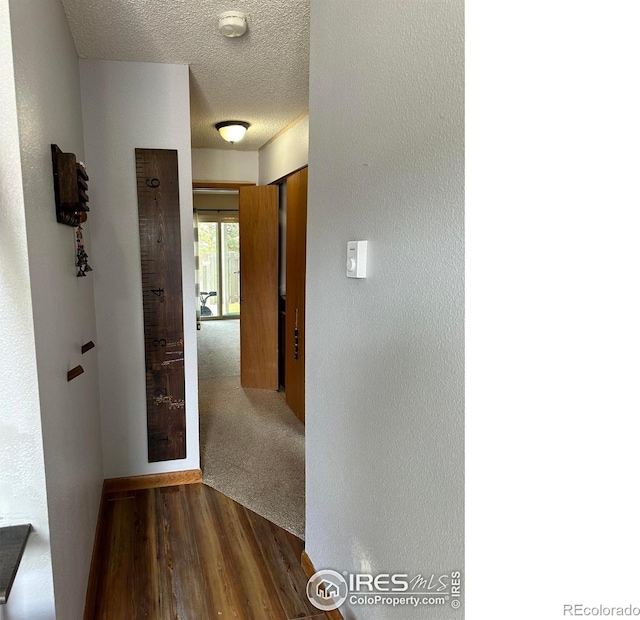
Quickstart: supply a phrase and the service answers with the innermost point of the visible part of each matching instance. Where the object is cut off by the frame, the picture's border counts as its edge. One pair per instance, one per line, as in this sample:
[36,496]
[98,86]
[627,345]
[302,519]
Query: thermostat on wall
[357,259]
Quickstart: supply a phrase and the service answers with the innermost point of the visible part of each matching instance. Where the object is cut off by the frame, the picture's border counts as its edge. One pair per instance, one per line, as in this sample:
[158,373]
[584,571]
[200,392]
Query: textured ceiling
[261,77]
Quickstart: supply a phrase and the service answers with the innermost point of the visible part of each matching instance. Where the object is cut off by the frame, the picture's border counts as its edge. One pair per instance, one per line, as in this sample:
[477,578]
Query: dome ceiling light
[232,131]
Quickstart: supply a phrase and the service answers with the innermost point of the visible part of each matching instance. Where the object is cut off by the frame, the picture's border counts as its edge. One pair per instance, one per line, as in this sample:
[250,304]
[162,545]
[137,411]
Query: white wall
[385,355]
[224,202]
[224,165]
[48,98]
[23,494]
[126,106]
[286,154]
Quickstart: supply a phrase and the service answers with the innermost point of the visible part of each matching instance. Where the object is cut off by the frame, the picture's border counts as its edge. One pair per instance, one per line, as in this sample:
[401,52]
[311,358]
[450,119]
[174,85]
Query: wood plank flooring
[190,553]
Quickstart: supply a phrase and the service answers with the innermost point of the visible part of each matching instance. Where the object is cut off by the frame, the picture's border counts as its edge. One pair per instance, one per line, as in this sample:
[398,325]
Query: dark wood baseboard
[151,481]
[307,564]
[310,570]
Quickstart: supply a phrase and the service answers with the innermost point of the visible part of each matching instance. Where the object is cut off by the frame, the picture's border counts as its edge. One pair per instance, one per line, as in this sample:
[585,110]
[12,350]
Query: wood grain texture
[161,265]
[70,185]
[259,287]
[151,481]
[191,553]
[309,570]
[307,564]
[117,567]
[296,269]
[282,559]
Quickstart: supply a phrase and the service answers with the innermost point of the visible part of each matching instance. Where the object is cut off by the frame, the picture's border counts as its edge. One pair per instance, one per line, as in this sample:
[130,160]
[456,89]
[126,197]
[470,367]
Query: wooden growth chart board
[161,260]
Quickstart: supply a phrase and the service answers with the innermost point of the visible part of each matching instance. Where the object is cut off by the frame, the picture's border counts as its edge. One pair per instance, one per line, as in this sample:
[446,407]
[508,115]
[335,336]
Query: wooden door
[296,268]
[259,287]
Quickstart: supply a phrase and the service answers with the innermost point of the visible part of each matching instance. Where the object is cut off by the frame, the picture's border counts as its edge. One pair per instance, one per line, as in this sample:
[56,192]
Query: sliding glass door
[230,259]
[219,261]
[209,269]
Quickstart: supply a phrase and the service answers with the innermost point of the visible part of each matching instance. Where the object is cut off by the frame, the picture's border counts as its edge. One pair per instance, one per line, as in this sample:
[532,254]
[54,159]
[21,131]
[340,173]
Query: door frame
[196,185]
[219,185]
[219,217]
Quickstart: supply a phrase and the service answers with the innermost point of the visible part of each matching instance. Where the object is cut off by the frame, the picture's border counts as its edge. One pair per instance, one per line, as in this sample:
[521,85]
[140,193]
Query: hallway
[251,444]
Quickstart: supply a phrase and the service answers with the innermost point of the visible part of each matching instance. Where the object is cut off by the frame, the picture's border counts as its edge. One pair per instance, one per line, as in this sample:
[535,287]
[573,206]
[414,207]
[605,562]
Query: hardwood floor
[190,553]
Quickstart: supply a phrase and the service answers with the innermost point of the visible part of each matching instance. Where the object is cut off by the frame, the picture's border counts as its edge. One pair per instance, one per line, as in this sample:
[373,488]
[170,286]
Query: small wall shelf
[13,540]
[70,182]
[87,346]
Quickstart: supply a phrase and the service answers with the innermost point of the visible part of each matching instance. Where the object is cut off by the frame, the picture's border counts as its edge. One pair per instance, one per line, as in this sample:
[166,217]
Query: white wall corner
[129,105]
[286,153]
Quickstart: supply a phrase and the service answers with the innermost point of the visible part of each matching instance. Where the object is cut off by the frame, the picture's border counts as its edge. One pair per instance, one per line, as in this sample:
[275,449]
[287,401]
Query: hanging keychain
[82,260]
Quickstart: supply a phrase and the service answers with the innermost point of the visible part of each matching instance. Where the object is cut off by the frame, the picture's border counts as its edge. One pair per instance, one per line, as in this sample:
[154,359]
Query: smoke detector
[232,24]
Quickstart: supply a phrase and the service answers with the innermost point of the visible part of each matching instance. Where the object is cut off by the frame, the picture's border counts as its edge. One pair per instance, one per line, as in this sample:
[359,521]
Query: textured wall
[287,153]
[125,106]
[48,98]
[23,495]
[216,201]
[384,430]
[225,166]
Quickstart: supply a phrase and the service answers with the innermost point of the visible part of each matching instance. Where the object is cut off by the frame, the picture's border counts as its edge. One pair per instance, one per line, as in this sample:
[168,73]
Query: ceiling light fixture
[232,131]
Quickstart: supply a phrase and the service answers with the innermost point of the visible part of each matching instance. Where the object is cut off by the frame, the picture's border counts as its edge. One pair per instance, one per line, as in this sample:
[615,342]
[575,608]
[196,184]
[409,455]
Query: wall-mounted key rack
[70,182]
[74,372]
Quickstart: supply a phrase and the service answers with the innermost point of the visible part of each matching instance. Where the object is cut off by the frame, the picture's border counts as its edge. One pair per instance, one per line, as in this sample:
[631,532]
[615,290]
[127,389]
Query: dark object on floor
[204,309]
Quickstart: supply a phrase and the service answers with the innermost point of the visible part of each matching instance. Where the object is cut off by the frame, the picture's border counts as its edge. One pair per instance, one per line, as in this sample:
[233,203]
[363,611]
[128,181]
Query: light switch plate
[357,259]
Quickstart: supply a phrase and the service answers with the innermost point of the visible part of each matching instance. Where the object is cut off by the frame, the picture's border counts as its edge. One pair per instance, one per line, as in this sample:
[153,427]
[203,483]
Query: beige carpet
[251,444]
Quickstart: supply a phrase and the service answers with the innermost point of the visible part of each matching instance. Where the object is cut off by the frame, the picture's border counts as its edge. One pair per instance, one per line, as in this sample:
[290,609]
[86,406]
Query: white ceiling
[261,77]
